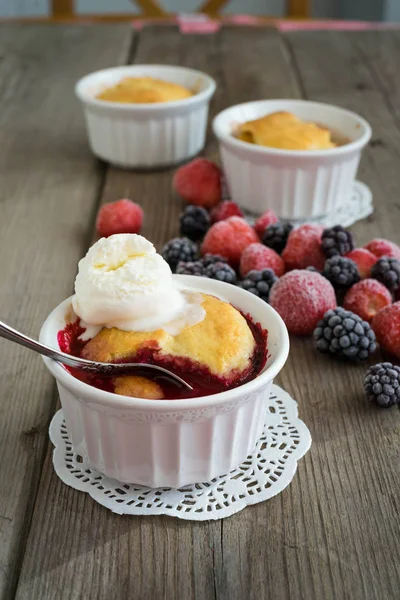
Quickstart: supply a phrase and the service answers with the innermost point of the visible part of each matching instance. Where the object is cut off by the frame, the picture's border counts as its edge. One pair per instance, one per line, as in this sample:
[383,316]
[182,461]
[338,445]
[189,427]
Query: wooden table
[334,532]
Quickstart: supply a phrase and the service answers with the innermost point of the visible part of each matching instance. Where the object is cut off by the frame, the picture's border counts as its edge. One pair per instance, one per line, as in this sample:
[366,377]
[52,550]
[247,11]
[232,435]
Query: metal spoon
[89,366]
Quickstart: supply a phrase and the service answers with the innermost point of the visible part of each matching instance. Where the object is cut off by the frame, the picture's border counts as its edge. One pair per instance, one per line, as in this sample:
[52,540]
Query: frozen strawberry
[381,247]
[228,239]
[364,260]
[366,298]
[302,298]
[262,222]
[122,216]
[257,257]
[386,325]
[304,248]
[199,182]
[224,210]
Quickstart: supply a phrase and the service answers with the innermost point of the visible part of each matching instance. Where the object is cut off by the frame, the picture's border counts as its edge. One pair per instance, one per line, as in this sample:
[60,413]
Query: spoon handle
[13,335]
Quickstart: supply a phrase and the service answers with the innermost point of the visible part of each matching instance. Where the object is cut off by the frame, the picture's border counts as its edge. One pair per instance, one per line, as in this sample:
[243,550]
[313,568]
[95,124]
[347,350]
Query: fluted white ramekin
[146,135]
[298,185]
[170,443]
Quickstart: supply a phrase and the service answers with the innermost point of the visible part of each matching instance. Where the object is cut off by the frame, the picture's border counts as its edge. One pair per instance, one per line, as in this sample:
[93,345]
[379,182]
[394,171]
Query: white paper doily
[263,474]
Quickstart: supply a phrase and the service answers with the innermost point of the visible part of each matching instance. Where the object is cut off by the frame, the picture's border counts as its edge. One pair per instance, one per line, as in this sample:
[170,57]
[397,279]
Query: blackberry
[341,272]
[387,271]
[190,268]
[344,334]
[312,269]
[210,259]
[337,241]
[194,222]
[221,271]
[275,236]
[179,250]
[259,283]
[382,384]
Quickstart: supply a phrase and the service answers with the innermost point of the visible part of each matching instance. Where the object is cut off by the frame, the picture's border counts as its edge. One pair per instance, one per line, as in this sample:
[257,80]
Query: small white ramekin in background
[146,135]
[299,185]
[170,443]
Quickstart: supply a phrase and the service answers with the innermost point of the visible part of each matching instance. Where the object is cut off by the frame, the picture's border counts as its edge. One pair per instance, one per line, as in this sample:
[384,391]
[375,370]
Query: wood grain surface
[334,532]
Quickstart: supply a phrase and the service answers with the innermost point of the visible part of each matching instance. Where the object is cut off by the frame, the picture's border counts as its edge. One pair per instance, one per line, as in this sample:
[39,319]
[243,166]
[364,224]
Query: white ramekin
[146,135]
[170,443]
[298,185]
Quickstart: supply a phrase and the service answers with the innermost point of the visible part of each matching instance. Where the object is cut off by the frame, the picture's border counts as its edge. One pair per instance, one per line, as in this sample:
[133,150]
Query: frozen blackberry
[382,384]
[221,271]
[341,272]
[312,269]
[179,250]
[387,271]
[275,236]
[345,335]
[194,222]
[259,283]
[210,259]
[190,268]
[337,241]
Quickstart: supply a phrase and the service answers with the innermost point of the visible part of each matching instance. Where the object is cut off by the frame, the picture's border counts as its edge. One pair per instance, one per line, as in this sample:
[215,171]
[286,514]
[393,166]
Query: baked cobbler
[285,131]
[144,90]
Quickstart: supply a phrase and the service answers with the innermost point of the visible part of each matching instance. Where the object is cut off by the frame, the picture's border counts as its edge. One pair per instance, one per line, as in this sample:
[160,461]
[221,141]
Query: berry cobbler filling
[199,376]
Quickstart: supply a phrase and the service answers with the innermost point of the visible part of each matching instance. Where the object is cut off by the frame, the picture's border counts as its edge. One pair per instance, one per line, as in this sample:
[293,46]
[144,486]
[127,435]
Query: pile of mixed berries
[303,272]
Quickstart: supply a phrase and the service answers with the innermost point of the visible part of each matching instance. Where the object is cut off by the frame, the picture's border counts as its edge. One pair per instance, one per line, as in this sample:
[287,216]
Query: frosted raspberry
[386,325]
[228,239]
[122,216]
[257,257]
[262,222]
[381,247]
[364,260]
[304,248]
[366,298]
[224,210]
[302,298]
[199,182]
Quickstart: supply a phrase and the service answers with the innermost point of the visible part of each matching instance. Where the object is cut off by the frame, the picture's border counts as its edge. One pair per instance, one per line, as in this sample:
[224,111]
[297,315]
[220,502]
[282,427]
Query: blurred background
[366,10]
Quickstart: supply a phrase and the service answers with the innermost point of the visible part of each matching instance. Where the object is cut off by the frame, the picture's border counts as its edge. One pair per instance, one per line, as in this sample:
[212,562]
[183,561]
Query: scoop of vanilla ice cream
[122,282]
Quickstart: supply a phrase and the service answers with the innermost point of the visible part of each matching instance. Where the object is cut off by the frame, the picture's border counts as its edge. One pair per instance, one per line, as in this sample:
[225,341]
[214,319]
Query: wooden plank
[331,534]
[49,189]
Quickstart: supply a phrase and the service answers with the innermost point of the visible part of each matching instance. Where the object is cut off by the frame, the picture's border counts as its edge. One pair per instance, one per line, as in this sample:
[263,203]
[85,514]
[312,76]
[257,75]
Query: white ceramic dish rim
[91,394]
[80,88]
[227,137]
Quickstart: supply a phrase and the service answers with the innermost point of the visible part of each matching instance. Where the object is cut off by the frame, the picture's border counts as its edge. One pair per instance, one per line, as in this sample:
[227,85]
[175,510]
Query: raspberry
[259,283]
[302,298]
[190,268]
[303,248]
[337,241]
[122,216]
[387,271]
[226,209]
[179,250]
[382,384]
[194,222]
[221,271]
[256,257]
[364,260]
[199,182]
[366,298]
[386,325]
[345,335]
[276,236]
[381,247]
[229,238]
[262,222]
[341,272]
[209,259]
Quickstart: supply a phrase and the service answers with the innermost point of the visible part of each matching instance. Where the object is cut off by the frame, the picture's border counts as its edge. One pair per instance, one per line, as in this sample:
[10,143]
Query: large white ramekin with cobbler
[296,157]
[225,342]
